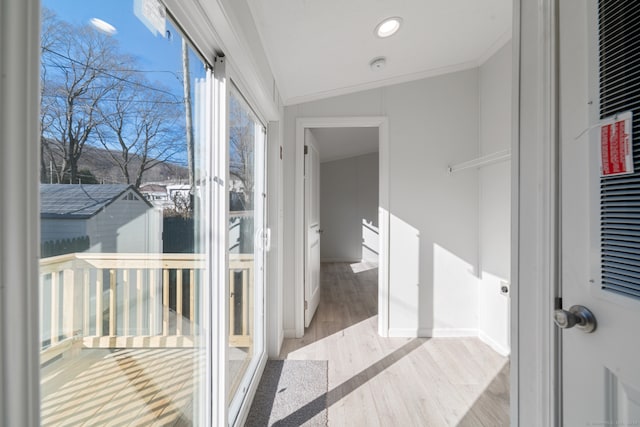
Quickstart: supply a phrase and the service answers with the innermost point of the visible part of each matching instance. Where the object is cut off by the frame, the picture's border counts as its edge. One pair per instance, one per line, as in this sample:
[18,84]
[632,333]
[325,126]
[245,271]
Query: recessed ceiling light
[388,27]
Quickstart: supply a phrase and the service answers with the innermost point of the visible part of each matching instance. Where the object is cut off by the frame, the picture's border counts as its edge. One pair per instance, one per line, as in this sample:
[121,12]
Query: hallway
[375,381]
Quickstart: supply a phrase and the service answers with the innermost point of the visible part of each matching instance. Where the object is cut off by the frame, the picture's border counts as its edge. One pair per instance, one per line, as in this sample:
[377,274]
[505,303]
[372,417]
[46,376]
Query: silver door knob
[578,316]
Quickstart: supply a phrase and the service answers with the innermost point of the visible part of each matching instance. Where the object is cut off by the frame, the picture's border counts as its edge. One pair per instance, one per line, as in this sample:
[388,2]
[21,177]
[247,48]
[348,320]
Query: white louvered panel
[620,196]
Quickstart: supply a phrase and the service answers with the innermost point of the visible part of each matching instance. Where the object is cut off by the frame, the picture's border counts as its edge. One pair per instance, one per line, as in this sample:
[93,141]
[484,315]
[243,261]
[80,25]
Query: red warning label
[616,153]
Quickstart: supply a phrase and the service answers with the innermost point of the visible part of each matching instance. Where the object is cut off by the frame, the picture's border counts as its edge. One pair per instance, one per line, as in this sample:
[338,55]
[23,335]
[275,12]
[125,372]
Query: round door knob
[578,316]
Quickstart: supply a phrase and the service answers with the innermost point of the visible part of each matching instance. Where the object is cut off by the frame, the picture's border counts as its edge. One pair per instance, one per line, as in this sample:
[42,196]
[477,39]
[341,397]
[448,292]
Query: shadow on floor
[484,410]
[347,298]
[334,395]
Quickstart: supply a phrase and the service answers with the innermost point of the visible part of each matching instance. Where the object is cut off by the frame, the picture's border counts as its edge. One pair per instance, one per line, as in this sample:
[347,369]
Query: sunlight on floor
[363,266]
[376,381]
[122,387]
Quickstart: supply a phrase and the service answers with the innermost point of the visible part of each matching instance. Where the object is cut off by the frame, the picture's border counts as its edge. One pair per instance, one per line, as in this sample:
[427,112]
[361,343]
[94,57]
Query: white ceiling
[322,48]
[341,143]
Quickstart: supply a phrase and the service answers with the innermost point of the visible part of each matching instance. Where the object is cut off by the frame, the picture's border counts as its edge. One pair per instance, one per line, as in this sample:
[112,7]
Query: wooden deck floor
[376,381]
[121,388]
[126,387]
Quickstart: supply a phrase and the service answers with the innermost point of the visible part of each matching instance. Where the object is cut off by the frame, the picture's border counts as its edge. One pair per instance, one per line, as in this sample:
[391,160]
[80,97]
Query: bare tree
[241,149]
[76,77]
[141,128]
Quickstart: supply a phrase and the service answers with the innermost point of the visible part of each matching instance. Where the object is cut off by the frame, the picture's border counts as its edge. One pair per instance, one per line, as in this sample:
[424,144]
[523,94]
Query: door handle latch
[578,316]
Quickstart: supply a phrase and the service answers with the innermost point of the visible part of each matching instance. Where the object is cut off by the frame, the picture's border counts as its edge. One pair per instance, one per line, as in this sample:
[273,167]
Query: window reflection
[122,195]
[245,223]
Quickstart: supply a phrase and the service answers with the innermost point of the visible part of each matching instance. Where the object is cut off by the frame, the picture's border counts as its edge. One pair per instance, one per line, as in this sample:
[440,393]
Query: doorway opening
[364,245]
[341,213]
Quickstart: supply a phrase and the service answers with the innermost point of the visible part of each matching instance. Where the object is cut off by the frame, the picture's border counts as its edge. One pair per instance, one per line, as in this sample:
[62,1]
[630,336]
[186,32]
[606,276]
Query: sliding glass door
[248,242]
[153,223]
[125,219]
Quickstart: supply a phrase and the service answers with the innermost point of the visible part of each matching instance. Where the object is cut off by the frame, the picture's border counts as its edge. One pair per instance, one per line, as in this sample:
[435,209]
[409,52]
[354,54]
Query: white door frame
[381,123]
[535,342]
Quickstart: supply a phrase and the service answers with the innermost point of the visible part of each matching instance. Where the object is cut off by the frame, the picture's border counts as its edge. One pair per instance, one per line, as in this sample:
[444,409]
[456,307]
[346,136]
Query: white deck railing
[114,300]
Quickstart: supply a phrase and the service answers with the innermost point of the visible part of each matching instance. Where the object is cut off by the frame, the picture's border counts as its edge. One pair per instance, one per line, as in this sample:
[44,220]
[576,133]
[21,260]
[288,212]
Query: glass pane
[123,264]
[246,231]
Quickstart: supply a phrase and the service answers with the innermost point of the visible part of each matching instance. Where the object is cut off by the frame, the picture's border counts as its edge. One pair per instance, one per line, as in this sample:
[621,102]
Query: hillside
[99,162]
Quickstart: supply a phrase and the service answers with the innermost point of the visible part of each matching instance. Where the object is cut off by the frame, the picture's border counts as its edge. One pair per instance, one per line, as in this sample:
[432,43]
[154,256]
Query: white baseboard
[496,346]
[351,260]
[281,341]
[432,332]
[290,333]
[274,349]
[449,333]
[453,332]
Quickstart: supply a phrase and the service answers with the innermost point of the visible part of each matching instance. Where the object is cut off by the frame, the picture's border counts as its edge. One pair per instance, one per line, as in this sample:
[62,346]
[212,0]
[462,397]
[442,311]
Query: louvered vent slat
[624,265]
[619,44]
[621,245]
[619,256]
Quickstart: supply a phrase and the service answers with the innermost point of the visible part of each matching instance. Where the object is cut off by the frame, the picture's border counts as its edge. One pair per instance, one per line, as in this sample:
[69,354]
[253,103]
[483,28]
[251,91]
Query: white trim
[489,159]
[384,219]
[215,31]
[453,332]
[495,47]
[381,123]
[424,74]
[380,83]
[496,346]
[534,393]
[289,333]
[449,333]
[240,56]
[243,413]
[274,287]
[194,23]
[19,228]
[219,318]
[514,317]
[19,212]
[348,156]
[242,399]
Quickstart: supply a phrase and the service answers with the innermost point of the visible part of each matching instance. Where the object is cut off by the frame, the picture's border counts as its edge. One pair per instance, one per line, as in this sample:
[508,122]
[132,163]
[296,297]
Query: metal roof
[79,201]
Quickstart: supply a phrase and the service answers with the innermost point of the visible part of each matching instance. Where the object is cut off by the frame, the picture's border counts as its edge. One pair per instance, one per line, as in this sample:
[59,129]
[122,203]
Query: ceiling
[341,143]
[322,48]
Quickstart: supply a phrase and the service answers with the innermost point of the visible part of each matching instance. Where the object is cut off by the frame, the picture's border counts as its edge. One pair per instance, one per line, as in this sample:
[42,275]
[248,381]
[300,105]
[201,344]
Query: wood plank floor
[126,387]
[376,381]
[121,387]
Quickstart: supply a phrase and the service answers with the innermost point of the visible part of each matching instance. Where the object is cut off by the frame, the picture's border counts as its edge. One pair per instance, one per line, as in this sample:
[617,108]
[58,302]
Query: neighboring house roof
[80,201]
[153,188]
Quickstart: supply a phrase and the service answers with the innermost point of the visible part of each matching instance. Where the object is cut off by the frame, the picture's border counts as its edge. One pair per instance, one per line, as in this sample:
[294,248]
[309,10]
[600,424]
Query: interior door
[312,228]
[599,61]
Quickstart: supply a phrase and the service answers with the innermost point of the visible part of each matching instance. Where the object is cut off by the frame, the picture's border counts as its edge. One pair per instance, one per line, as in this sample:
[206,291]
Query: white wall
[434,226]
[495,201]
[349,209]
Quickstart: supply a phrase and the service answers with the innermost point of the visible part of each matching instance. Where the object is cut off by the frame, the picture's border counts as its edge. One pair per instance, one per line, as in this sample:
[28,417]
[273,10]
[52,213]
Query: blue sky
[159,55]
